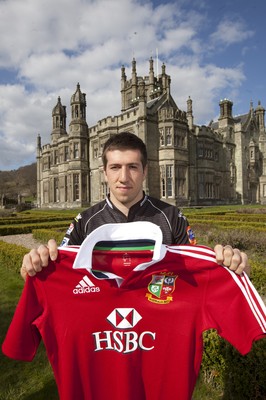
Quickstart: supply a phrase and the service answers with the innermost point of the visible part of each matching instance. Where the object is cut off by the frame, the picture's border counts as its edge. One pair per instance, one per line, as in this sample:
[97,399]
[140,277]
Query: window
[46,192]
[95,150]
[176,138]
[163,188]
[56,157]
[169,180]
[101,148]
[162,137]
[162,171]
[201,186]
[66,153]
[46,163]
[209,190]
[104,186]
[104,190]
[76,187]
[181,181]
[56,190]
[76,150]
[200,150]
[66,186]
[61,155]
[83,152]
[168,136]
[217,191]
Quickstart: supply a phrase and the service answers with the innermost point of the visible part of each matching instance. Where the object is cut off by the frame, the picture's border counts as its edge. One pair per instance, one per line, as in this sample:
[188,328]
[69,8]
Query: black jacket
[173,223]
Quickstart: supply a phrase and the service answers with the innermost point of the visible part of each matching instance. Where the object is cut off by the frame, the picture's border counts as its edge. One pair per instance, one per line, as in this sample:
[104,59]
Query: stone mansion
[222,163]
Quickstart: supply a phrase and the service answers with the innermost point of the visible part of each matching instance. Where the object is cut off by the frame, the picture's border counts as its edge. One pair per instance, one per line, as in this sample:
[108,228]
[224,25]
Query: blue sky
[212,49]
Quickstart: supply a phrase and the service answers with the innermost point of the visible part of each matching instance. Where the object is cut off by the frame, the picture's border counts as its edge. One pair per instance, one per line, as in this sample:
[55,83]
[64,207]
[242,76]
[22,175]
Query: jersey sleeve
[235,309]
[23,338]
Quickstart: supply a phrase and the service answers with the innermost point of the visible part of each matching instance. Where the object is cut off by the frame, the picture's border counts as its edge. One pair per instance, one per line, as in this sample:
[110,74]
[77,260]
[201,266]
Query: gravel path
[25,240]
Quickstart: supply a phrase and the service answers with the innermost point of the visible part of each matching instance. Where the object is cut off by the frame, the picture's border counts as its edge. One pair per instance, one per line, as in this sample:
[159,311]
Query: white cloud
[53,45]
[229,32]
[210,81]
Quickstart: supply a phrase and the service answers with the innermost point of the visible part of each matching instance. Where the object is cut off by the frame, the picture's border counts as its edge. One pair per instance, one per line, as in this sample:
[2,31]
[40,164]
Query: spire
[190,113]
[134,80]
[78,104]
[59,119]
[260,118]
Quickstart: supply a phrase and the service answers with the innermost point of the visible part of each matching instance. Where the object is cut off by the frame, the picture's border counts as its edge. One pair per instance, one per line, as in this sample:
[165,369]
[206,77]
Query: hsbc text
[123,342]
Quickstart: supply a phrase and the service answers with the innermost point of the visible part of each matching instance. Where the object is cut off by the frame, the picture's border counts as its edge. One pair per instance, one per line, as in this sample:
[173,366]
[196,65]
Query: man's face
[125,175]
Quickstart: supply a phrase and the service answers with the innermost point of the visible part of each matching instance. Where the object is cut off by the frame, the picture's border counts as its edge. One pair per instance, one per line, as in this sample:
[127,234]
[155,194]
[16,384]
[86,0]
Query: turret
[190,118]
[59,120]
[226,117]
[78,105]
[134,79]
[123,88]
[78,125]
[260,118]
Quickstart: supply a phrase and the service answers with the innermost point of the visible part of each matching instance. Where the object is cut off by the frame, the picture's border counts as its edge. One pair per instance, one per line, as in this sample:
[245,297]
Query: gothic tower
[59,121]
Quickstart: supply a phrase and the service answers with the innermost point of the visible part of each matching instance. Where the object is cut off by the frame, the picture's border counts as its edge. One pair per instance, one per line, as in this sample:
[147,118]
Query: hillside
[22,181]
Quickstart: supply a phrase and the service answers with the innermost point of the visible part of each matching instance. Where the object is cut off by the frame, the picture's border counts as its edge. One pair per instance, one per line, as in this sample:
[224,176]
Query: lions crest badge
[161,287]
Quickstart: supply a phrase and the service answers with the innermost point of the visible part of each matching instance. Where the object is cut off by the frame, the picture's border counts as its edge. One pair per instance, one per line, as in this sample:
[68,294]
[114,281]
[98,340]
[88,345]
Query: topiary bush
[43,235]
[11,256]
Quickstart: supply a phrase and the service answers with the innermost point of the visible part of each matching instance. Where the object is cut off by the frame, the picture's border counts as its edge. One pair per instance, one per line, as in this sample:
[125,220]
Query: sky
[212,50]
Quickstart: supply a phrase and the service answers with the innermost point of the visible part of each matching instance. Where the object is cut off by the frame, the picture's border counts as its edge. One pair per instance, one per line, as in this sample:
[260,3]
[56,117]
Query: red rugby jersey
[126,322]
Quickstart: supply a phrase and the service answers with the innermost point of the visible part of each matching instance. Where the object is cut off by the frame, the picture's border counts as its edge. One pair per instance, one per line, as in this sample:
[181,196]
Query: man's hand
[37,259]
[234,259]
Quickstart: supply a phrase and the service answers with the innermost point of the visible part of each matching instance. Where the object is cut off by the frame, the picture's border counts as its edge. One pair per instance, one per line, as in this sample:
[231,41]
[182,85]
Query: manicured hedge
[43,235]
[11,256]
[28,227]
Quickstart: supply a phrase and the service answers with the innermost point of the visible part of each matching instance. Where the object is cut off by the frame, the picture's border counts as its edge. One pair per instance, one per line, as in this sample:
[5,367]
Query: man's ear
[145,171]
[105,176]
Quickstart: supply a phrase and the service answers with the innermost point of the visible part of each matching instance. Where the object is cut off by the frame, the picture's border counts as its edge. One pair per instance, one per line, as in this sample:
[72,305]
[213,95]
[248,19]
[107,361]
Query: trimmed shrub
[43,235]
[11,256]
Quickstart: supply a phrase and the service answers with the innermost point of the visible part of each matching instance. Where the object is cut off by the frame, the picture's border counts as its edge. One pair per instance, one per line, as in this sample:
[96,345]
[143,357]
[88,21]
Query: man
[125,169]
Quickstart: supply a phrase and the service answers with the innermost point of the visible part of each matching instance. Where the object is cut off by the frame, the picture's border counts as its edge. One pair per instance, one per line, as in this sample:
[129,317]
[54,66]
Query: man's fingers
[243,266]
[234,259]
[220,253]
[52,247]
[37,259]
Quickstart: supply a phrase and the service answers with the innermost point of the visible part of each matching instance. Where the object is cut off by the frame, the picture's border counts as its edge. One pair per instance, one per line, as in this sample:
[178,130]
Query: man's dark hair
[125,141]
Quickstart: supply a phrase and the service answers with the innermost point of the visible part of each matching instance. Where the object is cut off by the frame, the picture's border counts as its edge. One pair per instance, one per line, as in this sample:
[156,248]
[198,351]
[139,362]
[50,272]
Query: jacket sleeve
[183,233]
[75,232]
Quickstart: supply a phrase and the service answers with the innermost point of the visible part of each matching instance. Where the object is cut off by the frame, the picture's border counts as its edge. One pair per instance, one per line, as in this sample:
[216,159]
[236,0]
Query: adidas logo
[85,286]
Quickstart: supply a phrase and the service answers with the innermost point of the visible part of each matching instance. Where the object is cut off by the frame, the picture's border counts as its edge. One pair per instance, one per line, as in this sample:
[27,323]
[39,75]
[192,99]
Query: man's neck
[124,208]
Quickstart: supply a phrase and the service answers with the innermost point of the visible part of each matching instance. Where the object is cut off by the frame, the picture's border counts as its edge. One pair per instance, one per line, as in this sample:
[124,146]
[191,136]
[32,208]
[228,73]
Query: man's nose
[123,174]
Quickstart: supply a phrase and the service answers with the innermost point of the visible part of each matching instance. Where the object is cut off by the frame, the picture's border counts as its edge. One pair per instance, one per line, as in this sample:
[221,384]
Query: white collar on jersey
[124,231]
